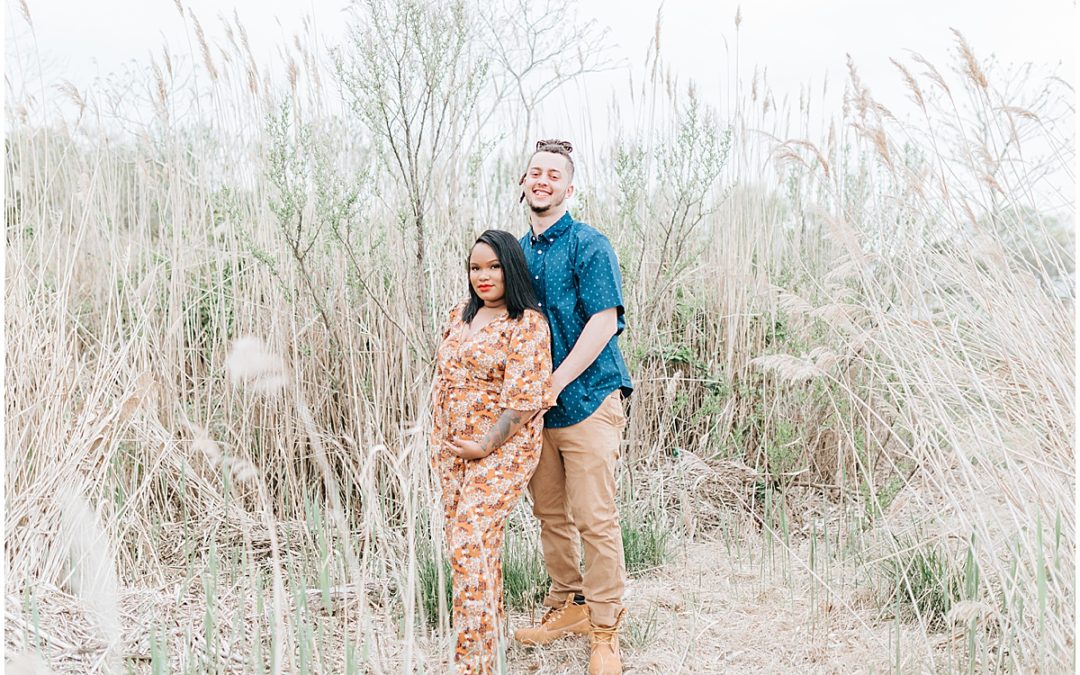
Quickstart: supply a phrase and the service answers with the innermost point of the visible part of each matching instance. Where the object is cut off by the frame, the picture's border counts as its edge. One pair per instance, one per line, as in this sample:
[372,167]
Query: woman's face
[486,275]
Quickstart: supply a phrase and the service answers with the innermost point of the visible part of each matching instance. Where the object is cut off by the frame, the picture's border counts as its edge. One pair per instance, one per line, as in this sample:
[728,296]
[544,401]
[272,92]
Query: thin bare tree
[413,76]
[536,48]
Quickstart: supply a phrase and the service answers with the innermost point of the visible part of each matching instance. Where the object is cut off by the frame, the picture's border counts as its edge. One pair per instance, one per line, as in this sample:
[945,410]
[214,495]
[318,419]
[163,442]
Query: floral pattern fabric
[506,364]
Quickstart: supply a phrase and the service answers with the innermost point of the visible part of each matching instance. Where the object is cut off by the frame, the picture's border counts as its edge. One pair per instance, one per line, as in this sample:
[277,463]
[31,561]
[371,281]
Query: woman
[491,386]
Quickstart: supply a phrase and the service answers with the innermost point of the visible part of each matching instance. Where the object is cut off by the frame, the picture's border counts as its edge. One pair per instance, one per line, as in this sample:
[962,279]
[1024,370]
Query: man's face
[547,182]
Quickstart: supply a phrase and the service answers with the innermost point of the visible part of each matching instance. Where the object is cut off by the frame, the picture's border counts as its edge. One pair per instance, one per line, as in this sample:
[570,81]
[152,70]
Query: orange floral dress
[504,365]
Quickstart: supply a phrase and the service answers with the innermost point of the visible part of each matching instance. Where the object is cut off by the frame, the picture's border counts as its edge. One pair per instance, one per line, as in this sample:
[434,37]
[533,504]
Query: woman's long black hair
[519,292]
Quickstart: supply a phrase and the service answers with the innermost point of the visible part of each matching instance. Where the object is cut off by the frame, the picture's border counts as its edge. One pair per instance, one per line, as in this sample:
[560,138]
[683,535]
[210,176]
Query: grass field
[851,440]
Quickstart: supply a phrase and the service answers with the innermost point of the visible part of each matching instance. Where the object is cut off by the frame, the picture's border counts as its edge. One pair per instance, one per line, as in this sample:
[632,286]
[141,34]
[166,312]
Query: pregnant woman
[491,386]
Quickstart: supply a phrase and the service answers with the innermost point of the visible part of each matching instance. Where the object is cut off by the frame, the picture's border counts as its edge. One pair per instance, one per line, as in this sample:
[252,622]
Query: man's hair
[555,146]
[518,290]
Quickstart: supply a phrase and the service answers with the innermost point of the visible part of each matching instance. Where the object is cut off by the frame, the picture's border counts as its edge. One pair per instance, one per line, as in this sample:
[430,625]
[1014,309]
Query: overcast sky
[801,40]
[798,40]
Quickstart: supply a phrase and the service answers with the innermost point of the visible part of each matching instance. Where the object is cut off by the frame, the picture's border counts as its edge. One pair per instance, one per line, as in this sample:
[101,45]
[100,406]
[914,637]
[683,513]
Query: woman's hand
[467,449]
[508,424]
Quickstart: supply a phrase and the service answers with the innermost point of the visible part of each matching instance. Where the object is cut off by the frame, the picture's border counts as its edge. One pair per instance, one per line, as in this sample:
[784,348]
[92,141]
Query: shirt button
[536,277]
[540,304]
[539,251]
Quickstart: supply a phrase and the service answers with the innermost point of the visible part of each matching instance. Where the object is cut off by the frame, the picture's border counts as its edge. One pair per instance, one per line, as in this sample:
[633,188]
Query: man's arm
[596,334]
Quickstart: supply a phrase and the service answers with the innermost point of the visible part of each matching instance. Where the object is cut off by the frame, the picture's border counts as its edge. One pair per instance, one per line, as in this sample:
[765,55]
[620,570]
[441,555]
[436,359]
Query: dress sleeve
[527,379]
[451,317]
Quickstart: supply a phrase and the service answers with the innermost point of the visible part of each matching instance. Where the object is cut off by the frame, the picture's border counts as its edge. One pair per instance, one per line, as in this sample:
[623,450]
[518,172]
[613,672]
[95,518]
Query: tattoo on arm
[505,427]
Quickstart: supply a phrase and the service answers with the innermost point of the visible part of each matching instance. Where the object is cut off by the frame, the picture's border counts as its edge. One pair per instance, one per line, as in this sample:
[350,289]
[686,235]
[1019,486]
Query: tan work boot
[604,659]
[557,623]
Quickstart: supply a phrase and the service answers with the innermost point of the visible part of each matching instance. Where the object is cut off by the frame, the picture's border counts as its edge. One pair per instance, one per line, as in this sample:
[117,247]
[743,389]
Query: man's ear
[570,191]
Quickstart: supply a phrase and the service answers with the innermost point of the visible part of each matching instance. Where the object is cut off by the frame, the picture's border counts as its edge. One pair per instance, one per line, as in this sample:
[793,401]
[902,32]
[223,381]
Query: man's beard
[541,210]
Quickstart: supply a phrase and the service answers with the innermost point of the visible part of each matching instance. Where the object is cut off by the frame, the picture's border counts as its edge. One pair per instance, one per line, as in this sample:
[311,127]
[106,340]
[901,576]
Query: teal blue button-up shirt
[576,274]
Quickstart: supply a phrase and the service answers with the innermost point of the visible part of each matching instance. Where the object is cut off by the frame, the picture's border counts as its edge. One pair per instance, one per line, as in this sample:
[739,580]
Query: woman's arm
[525,388]
[508,424]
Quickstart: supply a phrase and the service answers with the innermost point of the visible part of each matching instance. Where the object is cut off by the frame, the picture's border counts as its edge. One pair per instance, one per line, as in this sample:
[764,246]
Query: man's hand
[467,449]
[557,385]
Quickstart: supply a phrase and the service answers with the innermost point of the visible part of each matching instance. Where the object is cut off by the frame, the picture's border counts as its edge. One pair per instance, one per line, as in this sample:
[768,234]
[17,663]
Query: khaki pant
[573,493]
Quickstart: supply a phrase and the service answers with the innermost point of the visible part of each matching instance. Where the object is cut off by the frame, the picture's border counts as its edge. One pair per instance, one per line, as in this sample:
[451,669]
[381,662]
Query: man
[579,286]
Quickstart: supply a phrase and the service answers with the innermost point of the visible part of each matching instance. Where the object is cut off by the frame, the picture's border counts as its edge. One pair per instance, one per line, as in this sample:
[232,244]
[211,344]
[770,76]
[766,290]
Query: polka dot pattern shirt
[576,274]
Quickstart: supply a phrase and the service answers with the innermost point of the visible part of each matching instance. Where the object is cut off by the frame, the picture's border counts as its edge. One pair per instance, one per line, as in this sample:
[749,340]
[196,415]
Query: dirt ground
[710,609]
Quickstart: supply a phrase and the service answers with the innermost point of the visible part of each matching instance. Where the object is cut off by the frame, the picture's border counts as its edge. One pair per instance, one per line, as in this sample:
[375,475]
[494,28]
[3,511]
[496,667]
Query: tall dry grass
[881,316]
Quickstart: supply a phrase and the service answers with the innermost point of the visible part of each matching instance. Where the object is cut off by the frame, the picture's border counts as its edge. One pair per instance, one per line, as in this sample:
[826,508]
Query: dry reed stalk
[337,514]
[973,69]
[251,364]
[211,69]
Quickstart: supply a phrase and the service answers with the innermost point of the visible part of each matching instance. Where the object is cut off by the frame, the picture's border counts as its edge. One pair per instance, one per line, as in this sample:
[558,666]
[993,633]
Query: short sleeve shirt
[576,274]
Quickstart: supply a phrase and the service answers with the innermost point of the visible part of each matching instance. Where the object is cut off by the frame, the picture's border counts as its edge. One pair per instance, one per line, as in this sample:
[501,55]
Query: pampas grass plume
[252,365]
[240,469]
[207,446]
[964,611]
[92,568]
[27,663]
[787,368]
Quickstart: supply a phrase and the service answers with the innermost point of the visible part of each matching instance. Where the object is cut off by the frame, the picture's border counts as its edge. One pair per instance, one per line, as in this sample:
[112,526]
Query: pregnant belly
[471,413]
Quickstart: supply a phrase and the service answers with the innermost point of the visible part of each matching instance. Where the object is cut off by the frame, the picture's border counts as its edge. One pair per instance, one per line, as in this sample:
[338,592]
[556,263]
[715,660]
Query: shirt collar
[558,227]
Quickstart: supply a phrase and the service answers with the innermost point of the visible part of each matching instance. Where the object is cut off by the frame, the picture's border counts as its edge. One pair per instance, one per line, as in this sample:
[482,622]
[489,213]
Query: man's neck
[540,222]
